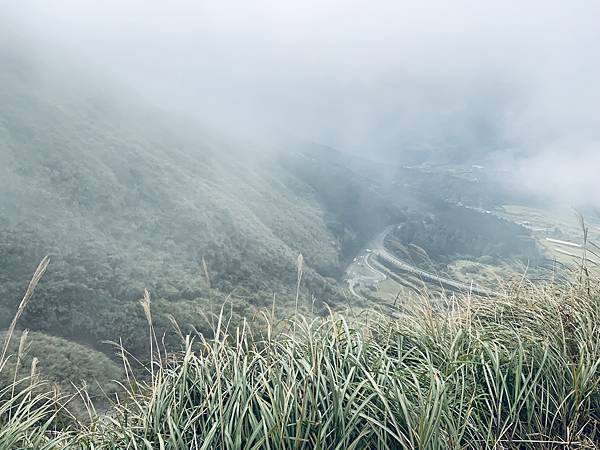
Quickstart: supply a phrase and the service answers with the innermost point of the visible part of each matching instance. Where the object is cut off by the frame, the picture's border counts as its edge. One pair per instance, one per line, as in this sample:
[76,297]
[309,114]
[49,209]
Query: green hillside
[123,197]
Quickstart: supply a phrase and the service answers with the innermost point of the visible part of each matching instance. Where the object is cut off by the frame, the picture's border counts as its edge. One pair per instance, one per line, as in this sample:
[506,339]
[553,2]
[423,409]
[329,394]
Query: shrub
[519,371]
[515,372]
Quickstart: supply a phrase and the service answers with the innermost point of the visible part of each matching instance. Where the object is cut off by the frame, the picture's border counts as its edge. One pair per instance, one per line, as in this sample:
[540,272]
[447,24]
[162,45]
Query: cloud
[464,79]
[565,174]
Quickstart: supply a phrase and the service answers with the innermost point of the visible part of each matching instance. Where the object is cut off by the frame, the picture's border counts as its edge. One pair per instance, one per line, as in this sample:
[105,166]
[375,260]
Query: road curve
[379,251]
[386,256]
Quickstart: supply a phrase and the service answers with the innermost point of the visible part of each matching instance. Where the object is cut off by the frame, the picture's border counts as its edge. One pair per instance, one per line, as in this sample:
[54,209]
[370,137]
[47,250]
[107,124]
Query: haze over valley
[237,166]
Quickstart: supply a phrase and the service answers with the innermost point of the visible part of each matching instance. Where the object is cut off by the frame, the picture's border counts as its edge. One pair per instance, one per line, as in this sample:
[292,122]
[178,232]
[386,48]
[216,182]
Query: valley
[125,198]
[267,225]
[375,265]
[548,239]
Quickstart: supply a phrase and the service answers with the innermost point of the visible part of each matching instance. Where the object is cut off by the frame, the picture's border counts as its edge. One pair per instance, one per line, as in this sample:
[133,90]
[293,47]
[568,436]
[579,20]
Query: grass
[520,371]
[29,410]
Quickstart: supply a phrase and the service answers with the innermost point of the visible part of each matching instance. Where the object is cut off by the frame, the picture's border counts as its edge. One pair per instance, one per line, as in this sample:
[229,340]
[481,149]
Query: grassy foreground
[520,371]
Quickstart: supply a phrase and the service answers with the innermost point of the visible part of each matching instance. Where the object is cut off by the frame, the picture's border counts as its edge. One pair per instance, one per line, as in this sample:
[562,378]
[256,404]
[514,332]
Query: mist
[509,85]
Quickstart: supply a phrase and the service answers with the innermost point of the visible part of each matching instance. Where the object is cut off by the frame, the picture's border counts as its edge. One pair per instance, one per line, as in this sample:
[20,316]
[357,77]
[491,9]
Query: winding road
[355,274]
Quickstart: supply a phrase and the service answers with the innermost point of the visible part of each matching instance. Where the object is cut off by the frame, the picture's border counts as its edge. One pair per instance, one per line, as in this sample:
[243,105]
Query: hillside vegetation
[124,197]
[522,371]
[453,232]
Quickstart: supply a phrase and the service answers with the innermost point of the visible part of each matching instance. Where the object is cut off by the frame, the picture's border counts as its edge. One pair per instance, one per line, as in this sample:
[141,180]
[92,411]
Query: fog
[509,84]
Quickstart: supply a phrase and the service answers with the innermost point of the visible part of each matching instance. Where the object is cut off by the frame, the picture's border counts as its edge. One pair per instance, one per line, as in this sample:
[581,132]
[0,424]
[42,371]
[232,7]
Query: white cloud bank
[378,77]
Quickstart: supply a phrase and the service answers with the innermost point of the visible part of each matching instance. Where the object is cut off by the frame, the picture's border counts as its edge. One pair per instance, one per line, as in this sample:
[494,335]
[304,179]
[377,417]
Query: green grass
[516,372]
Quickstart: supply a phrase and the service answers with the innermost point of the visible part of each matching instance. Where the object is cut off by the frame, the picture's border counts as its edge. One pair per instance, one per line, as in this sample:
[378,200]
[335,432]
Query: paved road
[377,248]
[388,257]
[362,272]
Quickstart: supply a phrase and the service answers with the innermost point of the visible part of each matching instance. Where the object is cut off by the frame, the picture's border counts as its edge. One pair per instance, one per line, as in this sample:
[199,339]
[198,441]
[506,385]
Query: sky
[509,82]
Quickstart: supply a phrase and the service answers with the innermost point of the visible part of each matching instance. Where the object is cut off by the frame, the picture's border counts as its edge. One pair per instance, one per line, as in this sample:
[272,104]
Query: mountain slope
[124,198]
